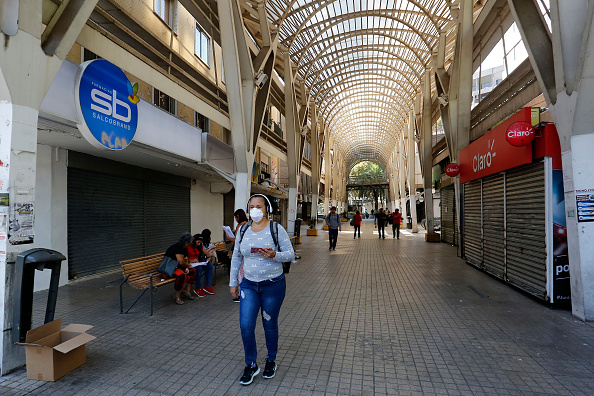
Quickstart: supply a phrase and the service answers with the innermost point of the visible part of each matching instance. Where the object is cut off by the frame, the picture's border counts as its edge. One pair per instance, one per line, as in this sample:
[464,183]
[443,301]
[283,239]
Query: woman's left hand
[268,252]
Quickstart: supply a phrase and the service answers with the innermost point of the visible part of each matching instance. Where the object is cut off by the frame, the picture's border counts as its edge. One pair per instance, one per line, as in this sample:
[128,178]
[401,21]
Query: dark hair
[195,238]
[185,238]
[206,236]
[241,216]
[358,212]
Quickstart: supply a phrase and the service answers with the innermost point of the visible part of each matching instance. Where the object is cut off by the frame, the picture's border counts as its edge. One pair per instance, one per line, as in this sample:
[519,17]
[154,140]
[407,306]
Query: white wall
[51,210]
[206,210]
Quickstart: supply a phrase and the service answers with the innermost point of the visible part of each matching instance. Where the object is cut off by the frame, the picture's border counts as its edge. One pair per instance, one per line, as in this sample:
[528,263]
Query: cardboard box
[52,353]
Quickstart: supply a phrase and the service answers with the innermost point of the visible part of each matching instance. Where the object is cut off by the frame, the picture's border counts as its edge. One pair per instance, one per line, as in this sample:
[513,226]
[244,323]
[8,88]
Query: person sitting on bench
[184,274]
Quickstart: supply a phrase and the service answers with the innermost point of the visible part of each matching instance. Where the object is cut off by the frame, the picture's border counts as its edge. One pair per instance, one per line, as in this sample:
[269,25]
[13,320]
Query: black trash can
[26,264]
[297,231]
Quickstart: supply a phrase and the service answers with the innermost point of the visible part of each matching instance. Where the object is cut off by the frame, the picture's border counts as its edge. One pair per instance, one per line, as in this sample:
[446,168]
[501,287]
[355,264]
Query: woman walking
[357,219]
[263,246]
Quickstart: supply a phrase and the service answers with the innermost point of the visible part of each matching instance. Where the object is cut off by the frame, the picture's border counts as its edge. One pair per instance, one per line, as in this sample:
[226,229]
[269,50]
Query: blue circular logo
[106,103]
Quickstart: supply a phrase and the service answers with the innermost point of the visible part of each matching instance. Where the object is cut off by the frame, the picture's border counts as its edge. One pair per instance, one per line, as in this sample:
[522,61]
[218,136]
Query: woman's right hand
[234,291]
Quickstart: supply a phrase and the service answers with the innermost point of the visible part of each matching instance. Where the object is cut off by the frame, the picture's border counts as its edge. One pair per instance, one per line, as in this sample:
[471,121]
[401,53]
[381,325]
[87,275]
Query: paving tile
[374,317]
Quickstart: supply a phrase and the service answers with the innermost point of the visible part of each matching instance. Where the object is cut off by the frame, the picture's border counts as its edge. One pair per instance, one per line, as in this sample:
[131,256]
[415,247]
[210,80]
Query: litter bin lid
[39,255]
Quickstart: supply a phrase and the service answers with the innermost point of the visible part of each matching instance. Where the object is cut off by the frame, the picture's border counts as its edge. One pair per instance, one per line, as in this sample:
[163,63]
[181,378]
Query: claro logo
[483,161]
[106,105]
[520,133]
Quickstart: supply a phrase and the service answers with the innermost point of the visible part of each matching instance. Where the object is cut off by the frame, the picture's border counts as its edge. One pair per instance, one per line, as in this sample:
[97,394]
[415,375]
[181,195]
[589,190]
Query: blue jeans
[333,235]
[267,295]
[207,269]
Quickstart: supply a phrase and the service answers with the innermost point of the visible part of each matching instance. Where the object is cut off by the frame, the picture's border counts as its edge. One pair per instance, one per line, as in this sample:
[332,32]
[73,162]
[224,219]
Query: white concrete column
[428,152]
[28,64]
[402,179]
[293,151]
[328,174]
[238,69]
[411,171]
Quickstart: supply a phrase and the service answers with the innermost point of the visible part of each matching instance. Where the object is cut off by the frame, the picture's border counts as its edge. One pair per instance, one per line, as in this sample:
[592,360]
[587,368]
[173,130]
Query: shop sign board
[490,154]
[106,104]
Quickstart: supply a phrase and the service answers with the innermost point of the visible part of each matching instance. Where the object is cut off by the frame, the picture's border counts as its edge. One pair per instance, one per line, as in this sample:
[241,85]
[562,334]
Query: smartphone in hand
[256,250]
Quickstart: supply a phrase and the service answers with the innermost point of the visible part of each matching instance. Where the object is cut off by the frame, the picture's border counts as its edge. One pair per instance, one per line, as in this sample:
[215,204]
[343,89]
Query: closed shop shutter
[473,249]
[167,215]
[113,218]
[526,233]
[448,215]
[493,225]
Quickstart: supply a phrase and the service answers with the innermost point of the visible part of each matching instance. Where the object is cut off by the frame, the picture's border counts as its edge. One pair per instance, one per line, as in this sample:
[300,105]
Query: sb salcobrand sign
[106,105]
[491,154]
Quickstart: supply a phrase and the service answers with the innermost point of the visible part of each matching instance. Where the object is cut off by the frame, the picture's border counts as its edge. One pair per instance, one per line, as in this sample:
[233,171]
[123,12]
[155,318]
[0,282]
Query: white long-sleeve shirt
[256,267]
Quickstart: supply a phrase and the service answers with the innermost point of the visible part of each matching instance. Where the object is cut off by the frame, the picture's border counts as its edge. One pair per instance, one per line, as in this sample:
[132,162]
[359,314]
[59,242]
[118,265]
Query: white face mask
[256,214]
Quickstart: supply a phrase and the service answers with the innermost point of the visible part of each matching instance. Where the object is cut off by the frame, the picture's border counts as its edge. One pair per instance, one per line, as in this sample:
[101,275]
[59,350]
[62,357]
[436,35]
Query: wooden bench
[141,273]
[222,247]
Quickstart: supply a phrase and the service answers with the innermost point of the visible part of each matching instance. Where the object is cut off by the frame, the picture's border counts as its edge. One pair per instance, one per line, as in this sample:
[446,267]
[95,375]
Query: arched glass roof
[363,62]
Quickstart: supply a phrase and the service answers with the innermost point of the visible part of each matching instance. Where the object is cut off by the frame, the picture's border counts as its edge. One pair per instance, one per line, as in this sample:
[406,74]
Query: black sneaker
[269,369]
[237,299]
[248,375]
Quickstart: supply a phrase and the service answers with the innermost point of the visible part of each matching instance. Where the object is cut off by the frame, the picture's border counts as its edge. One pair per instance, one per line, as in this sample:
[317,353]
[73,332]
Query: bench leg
[151,293]
[121,301]
[135,301]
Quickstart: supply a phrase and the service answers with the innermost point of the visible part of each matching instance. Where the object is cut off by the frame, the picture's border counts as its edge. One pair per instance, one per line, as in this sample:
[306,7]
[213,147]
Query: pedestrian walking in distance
[333,222]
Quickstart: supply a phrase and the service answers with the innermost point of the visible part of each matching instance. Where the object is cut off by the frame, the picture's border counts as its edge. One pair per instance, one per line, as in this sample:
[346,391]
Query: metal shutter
[473,249]
[112,218]
[526,233]
[493,225]
[167,215]
[105,221]
[448,215]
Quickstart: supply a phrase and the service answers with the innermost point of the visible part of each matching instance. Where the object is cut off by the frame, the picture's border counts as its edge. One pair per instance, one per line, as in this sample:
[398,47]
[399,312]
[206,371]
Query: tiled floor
[395,317]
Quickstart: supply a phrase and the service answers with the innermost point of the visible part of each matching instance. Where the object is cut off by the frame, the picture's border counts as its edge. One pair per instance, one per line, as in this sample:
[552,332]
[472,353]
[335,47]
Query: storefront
[119,177]
[513,208]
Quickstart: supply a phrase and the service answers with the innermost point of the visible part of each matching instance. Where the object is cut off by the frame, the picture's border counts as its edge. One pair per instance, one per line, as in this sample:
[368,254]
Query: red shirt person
[396,220]
[357,219]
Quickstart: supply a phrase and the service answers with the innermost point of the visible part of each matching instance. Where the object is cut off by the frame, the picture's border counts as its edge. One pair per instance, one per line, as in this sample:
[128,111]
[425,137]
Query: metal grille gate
[473,226]
[526,229]
[449,232]
[505,230]
[112,218]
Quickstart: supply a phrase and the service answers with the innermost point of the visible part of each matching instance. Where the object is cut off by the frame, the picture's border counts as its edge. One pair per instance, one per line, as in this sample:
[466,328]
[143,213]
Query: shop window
[88,55]
[167,11]
[202,122]
[227,137]
[164,101]
[202,44]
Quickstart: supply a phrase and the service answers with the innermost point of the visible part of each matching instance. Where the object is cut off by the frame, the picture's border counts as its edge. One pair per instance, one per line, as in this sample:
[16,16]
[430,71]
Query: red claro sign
[452,169]
[520,133]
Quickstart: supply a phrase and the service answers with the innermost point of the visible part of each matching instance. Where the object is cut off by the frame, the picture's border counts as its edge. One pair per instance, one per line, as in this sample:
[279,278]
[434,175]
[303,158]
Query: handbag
[352,223]
[167,266]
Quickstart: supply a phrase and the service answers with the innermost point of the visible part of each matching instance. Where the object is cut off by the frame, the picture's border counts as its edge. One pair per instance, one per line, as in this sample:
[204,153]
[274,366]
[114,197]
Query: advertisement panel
[561,280]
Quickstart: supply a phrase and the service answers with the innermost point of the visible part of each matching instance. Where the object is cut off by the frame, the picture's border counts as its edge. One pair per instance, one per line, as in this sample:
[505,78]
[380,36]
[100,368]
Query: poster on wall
[561,282]
[3,238]
[5,140]
[22,221]
[585,205]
